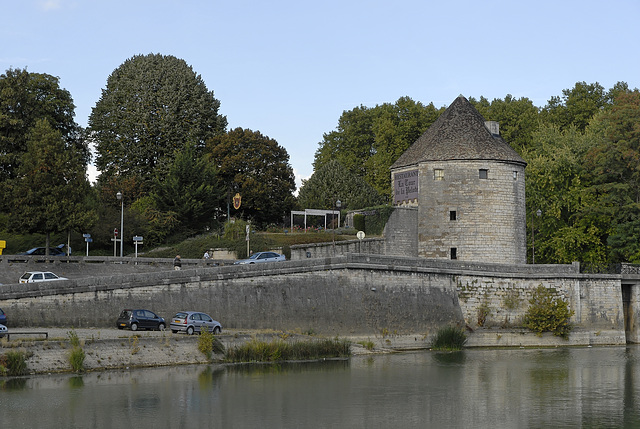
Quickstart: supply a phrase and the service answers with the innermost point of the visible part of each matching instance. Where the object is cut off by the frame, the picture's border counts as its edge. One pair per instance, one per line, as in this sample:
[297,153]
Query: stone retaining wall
[350,294]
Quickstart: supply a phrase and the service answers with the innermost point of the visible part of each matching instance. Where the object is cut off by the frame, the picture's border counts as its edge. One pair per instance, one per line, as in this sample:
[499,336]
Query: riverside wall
[347,294]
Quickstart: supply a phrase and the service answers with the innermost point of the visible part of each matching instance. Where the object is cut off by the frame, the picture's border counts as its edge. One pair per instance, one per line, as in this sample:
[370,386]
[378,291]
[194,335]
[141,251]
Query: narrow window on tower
[454,253]
[484,173]
[515,175]
[453,215]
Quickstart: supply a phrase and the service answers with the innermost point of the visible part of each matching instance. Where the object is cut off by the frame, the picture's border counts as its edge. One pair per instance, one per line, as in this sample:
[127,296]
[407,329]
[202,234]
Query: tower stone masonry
[468,185]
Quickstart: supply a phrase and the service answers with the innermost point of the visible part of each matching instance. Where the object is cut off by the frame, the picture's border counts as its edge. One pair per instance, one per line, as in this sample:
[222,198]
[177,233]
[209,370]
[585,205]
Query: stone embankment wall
[343,295]
[350,294]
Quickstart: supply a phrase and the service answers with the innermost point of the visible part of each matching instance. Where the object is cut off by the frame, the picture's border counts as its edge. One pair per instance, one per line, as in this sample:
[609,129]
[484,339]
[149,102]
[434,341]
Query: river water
[512,388]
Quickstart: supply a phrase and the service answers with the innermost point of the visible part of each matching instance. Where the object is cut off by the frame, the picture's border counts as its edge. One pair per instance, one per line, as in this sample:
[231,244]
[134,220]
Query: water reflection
[449,358]
[520,388]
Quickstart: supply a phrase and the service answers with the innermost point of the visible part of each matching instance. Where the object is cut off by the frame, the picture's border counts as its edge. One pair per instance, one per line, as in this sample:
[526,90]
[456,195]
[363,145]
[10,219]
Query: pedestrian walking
[177,263]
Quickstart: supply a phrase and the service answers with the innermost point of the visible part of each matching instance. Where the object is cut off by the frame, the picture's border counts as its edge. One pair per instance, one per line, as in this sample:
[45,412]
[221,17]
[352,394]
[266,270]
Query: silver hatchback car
[194,321]
[260,257]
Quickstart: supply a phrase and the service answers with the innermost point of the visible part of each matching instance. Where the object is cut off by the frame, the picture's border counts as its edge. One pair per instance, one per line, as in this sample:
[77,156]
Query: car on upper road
[194,321]
[3,331]
[40,276]
[140,319]
[260,257]
[41,251]
[3,317]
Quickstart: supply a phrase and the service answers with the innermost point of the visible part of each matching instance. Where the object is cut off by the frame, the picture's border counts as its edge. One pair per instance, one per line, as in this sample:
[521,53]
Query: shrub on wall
[449,338]
[376,221]
[13,363]
[548,312]
[358,222]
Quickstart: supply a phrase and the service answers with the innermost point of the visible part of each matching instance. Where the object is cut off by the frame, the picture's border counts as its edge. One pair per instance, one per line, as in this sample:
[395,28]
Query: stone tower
[468,186]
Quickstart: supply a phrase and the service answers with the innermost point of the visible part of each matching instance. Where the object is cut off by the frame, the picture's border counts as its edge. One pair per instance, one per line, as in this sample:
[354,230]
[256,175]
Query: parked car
[3,331]
[259,257]
[40,276]
[41,251]
[140,319]
[3,317]
[193,321]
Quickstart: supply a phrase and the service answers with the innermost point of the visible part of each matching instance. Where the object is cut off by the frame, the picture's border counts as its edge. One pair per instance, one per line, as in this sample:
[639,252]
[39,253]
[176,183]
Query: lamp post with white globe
[120,197]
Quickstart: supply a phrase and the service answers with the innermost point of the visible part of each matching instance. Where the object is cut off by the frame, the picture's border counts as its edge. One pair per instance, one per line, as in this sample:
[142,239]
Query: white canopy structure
[314,212]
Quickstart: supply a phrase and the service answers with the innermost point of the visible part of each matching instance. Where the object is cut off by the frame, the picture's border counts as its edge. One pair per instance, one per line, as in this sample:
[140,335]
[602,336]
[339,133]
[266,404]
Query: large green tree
[333,182]
[614,171]
[368,140]
[258,168]
[576,106]
[191,191]
[26,98]
[50,191]
[557,186]
[518,118]
[152,108]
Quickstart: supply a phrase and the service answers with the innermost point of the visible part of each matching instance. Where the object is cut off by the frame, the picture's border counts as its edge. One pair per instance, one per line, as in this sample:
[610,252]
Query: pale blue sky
[290,68]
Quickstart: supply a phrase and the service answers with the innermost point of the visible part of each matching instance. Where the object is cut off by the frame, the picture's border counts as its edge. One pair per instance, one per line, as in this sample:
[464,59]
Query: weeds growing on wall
[449,338]
[208,344]
[483,312]
[76,355]
[76,359]
[548,312]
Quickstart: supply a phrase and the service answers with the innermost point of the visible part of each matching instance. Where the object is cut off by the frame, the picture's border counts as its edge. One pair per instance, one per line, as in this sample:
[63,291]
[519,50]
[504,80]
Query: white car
[259,257]
[3,331]
[39,276]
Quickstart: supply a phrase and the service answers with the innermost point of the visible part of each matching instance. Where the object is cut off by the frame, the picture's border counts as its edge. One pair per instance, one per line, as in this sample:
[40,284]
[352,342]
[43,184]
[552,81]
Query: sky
[289,69]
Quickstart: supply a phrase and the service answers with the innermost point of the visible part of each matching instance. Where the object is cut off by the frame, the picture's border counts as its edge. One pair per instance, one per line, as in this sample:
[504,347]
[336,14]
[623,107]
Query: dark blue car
[40,251]
[3,318]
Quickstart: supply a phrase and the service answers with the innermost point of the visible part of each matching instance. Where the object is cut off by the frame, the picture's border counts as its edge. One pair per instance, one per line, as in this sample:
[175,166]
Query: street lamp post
[119,196]
[337,206]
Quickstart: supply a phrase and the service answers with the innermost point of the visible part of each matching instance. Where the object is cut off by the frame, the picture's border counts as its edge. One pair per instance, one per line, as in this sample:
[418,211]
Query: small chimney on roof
[493,127]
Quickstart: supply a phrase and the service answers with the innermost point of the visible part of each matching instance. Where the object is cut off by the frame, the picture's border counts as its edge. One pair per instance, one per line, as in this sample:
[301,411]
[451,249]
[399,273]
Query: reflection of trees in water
[210,376]
[449,358]
[13,384]
[291,367]
[76,382]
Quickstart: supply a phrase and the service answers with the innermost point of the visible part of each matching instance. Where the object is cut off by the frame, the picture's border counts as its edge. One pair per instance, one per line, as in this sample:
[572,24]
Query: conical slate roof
[458,134]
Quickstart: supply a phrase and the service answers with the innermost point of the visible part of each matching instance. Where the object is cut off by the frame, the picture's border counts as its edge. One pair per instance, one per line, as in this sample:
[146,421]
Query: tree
[26,98]
[333,181]
[614,167]
[518,118]
[51,188]
[557,185]
[395,127]
[257,167]
[190,190]
[576,106]
[368,140]
[153,107]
